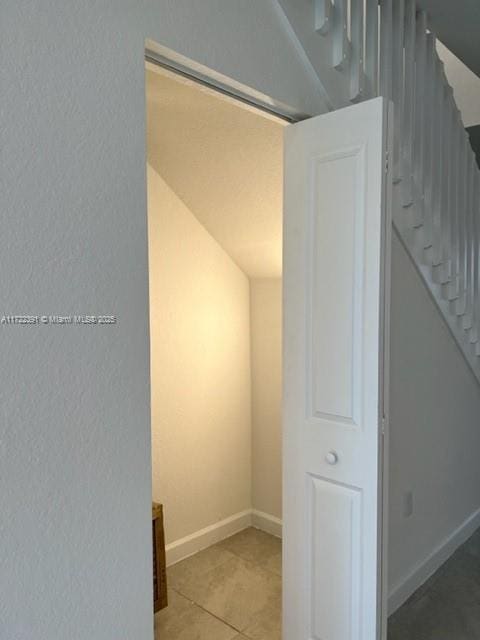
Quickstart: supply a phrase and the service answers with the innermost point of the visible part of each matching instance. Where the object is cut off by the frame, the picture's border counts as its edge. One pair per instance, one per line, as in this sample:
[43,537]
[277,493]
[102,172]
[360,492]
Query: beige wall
[200,370]
[266,341]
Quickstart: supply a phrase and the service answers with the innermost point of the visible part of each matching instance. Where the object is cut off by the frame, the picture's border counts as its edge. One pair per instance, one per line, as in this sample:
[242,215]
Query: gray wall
[75,471]
[435,432]
[474,133]
[266,358]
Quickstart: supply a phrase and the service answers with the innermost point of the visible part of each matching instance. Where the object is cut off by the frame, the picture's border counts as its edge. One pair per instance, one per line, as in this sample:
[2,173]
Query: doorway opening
[214,174]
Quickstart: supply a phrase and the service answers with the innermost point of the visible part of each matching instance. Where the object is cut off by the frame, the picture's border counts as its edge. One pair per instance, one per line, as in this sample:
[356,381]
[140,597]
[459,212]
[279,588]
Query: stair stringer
[412,239]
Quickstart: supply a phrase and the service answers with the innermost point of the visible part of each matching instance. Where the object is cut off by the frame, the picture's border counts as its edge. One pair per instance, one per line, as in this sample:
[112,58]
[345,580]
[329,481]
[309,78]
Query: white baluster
[475,332]
[323,16]
[341,44]
[371,47]
[429,133]
[398,86]
[357,76]
[386,49]
[454,288]
[409,104]
[462,206]
[447,184]
[471,168]
[437,159]
[420,97]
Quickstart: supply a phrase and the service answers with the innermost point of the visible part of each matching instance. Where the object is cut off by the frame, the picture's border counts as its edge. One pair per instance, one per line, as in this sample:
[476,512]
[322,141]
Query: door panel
[336,521]
[336,251]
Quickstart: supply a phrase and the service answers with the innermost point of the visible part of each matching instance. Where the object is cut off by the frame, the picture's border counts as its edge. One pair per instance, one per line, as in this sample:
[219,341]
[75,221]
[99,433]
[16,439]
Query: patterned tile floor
[232,591]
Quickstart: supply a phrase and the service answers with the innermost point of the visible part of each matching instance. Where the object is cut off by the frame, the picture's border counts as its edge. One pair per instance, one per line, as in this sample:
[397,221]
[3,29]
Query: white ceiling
[224,161]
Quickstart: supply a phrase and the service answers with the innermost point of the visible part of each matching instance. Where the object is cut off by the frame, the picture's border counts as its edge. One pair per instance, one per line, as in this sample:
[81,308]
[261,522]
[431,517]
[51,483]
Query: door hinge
[387,162]
[384,422]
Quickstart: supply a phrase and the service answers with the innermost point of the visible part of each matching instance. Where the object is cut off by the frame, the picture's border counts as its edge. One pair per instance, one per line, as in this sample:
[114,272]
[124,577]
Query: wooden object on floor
[160,600]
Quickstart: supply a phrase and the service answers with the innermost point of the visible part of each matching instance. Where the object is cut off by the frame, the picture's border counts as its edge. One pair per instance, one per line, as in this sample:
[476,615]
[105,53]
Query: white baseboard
[204,538]
[185,547]
[195,542]
[423,570]
[266,522]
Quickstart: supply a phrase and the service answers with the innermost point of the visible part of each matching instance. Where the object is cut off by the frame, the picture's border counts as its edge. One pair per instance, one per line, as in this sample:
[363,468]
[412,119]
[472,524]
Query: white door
[336,289]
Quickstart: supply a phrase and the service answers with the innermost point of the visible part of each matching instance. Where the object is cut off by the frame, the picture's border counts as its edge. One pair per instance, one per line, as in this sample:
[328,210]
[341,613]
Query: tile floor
[232,591]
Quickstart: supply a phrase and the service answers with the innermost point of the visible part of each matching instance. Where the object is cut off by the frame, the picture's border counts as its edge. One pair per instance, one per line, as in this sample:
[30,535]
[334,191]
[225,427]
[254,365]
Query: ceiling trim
[174,63]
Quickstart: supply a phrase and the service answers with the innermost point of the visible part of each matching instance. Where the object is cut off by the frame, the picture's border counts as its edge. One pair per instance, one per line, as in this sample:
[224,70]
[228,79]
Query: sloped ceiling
[457,24]
[225,162]
[466,86]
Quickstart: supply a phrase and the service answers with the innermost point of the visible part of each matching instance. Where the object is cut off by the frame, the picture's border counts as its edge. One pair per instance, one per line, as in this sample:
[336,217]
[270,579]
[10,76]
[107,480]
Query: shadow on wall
[474,133]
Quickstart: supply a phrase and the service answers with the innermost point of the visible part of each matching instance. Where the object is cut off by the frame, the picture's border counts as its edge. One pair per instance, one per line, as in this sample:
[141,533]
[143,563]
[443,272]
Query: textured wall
[435,429]
[266,340]
[75,470]
[200,369]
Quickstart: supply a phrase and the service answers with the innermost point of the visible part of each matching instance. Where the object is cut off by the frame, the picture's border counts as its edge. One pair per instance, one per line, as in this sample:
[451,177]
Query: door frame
[172,63]
[159,56]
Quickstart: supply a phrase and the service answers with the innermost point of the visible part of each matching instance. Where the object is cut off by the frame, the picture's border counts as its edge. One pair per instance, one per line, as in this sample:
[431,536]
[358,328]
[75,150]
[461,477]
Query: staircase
[387,48]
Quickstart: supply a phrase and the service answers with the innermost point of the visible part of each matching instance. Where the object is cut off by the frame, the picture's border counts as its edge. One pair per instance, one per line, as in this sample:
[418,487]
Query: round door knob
[331,457]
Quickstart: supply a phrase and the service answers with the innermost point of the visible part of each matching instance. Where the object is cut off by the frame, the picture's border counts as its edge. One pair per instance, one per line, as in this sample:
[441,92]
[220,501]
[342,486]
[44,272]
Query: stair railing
[388,48]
